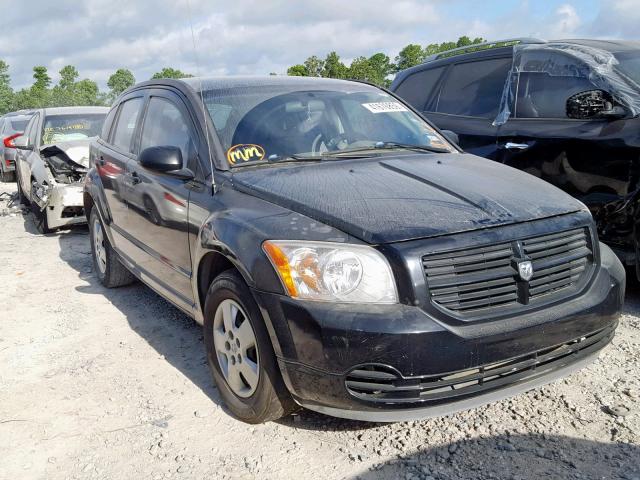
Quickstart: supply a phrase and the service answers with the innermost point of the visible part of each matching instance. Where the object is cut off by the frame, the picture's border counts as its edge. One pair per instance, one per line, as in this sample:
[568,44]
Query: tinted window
[64,128]
[126,125]
[108,124]
[164,124]
[541,95]
[418,87]
[475,88]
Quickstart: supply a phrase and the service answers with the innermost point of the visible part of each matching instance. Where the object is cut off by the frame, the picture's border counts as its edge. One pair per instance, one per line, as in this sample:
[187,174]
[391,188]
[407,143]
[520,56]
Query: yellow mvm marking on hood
[245,153]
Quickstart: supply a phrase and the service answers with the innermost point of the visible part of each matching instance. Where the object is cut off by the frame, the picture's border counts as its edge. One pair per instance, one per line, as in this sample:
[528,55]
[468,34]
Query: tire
[21,196]
[268,399]
[110,271]
[7,177]
[40,219]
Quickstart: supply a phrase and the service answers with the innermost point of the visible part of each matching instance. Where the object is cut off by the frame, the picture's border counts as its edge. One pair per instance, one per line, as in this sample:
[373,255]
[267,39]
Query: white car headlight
[332,272]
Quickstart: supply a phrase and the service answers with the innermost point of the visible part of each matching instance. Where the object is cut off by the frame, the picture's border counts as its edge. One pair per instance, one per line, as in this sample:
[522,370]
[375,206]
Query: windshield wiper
[408,146]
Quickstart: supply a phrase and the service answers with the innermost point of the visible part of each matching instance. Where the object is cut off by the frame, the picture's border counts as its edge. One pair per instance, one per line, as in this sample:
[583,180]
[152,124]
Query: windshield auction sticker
[385,107]
[245,153]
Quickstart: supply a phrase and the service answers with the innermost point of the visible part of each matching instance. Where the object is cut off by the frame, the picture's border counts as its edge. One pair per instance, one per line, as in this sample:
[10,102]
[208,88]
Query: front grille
[383,384]
[484,280]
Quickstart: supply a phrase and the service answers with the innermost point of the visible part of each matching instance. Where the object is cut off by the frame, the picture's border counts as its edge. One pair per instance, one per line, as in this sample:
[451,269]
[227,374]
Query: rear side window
[126,124]
[164,125]
[541,95]
[474,89]
[18,125]
[419,86]
[108,123]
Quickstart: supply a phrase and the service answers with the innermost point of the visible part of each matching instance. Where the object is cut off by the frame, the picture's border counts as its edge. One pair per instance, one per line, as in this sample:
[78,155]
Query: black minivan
[566,111]
[342,254]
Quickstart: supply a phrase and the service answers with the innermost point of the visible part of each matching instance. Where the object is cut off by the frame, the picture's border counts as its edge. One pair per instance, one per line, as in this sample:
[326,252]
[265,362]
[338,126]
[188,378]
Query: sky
[253,37]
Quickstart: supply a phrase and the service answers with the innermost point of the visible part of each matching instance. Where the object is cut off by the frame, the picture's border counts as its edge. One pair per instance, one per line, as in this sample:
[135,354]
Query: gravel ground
[113,384]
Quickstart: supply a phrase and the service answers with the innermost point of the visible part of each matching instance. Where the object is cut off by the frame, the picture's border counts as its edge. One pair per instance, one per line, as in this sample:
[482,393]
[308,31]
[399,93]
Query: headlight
[332,271]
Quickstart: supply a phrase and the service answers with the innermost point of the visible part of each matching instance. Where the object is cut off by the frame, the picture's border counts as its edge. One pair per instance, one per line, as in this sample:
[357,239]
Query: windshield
[275,122]
[629,64]
[63,128]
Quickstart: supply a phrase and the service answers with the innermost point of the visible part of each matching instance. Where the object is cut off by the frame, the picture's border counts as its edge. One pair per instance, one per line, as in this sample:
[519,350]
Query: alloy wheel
[236,348]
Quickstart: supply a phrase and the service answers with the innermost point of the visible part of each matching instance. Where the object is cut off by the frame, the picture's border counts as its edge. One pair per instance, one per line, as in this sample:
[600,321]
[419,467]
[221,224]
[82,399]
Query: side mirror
[21,143]
[165,159]
[594,104]
[451,136]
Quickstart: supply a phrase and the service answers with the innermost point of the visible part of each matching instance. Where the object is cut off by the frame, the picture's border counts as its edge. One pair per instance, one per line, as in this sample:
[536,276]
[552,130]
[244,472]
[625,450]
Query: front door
[158,202]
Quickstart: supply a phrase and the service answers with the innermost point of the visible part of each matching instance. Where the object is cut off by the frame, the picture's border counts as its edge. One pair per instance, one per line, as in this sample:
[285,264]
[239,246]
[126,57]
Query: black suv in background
[565,111]
[341,254]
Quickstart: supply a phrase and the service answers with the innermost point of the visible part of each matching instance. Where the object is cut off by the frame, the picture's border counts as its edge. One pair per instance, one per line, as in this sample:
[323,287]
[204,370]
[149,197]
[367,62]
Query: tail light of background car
[8,141]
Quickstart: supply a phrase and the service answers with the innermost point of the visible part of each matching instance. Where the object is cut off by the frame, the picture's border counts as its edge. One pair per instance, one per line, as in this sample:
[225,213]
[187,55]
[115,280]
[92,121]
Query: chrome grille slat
[480,280]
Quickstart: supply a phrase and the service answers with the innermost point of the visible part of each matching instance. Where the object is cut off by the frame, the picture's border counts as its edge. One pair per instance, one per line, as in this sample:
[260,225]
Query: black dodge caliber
[341,253]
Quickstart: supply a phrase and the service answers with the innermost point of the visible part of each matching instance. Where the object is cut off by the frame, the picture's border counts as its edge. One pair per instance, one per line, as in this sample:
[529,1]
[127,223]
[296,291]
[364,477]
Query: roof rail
[476,47]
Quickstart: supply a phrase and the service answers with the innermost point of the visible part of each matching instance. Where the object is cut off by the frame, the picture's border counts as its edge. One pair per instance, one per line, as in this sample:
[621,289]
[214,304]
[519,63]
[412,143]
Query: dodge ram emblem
[525,269]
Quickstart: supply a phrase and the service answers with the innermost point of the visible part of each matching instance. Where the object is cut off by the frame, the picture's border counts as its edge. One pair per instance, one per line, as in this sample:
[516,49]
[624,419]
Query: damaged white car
[52,161]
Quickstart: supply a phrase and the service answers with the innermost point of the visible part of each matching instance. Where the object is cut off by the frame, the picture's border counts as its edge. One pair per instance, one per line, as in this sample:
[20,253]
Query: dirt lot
[113,384]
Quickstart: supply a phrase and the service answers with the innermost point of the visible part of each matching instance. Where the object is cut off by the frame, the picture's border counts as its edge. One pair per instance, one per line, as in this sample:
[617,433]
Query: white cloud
[257,36]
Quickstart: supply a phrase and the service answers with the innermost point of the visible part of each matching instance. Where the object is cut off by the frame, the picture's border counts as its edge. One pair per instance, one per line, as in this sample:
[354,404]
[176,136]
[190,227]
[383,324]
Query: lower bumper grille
[383,384]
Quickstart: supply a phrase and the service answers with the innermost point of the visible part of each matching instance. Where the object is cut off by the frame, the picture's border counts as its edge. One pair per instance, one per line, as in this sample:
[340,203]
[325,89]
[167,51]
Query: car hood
[404,197]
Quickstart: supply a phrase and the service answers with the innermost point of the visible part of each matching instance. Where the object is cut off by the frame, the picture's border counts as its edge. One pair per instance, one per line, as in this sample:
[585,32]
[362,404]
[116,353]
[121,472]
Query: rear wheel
[106,263]
[240,354]
[7,177]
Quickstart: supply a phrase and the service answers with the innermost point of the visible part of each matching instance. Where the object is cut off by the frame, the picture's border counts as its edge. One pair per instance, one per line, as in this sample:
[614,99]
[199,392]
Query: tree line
[69,90]
[378,67]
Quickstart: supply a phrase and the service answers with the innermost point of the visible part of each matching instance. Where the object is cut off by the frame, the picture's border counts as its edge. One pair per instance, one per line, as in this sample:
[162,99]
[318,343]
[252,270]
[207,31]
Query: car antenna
[204,109]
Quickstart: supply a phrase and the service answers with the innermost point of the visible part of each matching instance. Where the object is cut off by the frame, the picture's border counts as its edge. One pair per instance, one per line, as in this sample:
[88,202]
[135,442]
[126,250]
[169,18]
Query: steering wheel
[337,143]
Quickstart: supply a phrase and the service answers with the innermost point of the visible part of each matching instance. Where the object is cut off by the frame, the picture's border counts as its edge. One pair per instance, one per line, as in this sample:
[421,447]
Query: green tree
[68,77]
[298,71]
[39,93]
[333,67]
[6,92]
[119,82]
[381,67]
[409,56]
[360,69]
[86,92]
[314,66]
[168,72]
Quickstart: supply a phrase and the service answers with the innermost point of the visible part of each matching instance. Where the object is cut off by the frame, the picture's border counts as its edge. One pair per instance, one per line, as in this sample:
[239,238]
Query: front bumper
[319,346]
[62,203]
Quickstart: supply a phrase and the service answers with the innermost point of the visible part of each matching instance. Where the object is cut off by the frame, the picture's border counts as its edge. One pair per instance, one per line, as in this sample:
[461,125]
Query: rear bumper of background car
[396,362]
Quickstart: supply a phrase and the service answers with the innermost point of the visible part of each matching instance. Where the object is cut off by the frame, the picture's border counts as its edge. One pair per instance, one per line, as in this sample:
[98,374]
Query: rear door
[468,102]
[111,162]
[158,202]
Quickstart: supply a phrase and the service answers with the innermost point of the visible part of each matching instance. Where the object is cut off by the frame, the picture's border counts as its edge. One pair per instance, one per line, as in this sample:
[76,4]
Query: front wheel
[240,355]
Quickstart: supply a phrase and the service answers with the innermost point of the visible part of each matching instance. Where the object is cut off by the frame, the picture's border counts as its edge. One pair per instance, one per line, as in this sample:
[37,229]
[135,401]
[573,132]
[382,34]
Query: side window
[126,124]
[108,124]
[474,89]
[164,125]
[419,86]
[541,95]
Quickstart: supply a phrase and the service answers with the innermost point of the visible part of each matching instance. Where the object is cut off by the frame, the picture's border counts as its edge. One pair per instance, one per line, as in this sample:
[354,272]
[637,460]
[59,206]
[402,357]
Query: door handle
[516,146]
[135,179]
